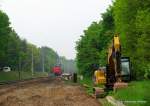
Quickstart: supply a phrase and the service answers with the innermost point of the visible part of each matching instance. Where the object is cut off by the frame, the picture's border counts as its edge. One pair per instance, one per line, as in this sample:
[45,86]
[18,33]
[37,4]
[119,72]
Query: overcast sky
[54,23]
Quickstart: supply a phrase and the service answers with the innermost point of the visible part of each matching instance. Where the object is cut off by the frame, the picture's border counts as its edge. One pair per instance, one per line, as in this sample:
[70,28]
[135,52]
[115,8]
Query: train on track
[57,70]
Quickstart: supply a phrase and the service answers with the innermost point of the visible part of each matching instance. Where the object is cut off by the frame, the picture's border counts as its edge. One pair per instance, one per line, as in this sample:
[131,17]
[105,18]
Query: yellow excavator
[117,69]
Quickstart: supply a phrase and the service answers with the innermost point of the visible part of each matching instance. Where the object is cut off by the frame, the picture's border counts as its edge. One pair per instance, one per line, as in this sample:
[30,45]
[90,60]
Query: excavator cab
[125,69]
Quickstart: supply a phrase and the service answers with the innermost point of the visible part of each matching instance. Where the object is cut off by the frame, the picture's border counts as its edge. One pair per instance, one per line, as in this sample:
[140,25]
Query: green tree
[132,21]
[92,47]
[4,36]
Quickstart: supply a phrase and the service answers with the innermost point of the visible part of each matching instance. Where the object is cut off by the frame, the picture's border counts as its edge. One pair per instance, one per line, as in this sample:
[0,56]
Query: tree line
[19,54]
[131,20]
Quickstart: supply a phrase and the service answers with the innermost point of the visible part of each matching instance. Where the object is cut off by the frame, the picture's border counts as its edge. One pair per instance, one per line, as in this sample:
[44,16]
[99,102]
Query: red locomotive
[57,70]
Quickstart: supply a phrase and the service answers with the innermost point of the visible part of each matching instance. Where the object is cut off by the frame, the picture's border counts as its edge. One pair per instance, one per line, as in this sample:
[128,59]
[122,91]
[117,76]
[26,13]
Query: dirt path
[48,93]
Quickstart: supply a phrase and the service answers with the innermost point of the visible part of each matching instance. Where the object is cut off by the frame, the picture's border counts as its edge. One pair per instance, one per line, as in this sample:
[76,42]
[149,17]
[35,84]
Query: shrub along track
[45,92]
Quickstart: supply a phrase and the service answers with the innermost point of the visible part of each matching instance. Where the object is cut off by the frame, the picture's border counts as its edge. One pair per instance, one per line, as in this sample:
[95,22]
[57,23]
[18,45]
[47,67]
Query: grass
[5,76]
[88,81]
[134,94]
[14,75]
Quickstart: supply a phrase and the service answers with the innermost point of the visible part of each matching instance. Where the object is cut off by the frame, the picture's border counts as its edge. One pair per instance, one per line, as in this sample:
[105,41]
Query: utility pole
[32,67]
[19,69]
[43,68]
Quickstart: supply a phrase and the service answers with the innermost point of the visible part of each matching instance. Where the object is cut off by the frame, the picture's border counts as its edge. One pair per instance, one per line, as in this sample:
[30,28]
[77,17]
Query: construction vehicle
[100,76]
[117,69]
[57,70]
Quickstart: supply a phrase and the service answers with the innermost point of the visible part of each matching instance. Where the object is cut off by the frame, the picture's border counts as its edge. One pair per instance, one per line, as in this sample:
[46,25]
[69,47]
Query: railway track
[45,91]
[9,86]
[2,83]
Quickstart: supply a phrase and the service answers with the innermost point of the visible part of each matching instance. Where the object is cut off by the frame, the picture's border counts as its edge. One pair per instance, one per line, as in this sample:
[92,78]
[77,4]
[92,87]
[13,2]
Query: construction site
[45,92]
[74,52]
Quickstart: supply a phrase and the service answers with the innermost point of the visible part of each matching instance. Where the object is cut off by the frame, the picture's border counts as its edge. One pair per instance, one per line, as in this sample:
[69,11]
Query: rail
[19,81]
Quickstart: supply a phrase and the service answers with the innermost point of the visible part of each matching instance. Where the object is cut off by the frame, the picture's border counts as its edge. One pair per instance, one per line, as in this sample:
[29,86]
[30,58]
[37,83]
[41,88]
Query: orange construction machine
[117,69]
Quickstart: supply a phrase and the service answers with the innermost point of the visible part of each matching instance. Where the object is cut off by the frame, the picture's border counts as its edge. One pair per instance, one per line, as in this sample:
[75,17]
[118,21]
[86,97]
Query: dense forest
[19,54]
[131,20]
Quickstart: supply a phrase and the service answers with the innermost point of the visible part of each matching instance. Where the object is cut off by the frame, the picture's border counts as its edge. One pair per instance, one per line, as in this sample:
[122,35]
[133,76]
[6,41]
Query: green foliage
[129,18]
[4,35]
[132,21]
[91,48]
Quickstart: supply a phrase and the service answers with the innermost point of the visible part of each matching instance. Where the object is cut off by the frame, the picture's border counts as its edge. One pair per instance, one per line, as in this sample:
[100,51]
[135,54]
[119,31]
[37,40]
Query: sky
[57,24]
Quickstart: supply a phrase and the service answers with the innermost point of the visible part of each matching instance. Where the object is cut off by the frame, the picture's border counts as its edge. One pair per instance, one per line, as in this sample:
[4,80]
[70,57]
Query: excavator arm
[115,63]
